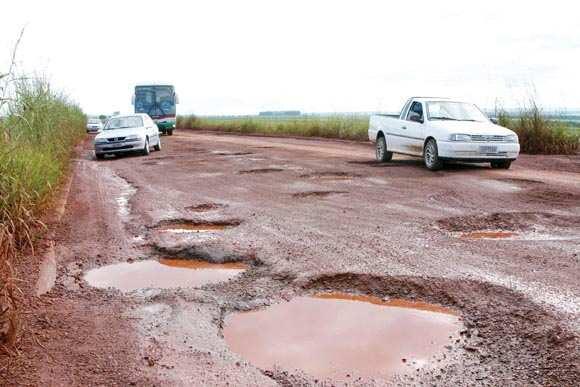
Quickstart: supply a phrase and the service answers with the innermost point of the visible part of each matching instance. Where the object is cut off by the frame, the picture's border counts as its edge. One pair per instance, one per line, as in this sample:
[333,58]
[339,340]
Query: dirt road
[499,248]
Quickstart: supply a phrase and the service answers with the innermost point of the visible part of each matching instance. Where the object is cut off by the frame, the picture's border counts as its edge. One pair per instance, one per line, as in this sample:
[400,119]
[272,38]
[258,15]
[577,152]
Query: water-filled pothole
[162,274]
[488,234]
[187,226]
[333,334]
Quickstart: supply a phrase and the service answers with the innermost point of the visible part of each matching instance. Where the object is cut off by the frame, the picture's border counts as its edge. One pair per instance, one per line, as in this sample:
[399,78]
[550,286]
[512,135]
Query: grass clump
[350,127]
[38,129]
[539,134]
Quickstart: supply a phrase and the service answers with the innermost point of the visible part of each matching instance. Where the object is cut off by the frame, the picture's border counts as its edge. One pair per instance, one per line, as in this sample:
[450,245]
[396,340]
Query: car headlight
[100,140]
[460,137]
[133,137]
[511,138]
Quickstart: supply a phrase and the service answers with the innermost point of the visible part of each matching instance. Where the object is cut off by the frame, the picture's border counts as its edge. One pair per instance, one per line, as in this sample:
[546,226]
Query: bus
[158,101]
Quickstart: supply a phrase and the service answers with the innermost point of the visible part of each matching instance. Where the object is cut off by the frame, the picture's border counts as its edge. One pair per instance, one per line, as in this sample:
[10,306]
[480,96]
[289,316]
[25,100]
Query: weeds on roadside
[38,129]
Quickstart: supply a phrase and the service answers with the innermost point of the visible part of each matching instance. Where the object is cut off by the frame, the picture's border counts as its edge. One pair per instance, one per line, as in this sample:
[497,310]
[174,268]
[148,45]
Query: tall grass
[351,127]
[38,129]
[538,134]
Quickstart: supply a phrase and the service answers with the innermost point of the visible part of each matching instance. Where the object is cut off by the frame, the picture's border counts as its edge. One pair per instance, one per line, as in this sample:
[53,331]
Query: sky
[242,57]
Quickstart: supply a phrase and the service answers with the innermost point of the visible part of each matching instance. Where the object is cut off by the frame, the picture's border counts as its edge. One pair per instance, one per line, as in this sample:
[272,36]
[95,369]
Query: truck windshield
[454,111]
[124,122]
[157,101]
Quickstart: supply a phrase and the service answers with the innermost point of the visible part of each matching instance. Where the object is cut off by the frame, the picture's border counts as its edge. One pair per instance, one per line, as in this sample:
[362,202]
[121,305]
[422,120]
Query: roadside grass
[347,126]
[537,133]
[38,130]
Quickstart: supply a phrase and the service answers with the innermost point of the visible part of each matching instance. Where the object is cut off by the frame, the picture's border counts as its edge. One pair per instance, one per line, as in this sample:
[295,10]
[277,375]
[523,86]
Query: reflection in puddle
[330,335]
[162,274]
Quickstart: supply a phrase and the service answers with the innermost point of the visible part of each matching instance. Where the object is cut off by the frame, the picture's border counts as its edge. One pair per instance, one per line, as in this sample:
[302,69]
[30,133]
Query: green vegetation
[350,127]
[38,130]
[537,133]
[540,135]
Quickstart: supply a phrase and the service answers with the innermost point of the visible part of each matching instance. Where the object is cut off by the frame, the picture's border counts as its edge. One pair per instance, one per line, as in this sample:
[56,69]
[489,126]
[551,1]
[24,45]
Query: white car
[94,125]
[130,133]
[440,130]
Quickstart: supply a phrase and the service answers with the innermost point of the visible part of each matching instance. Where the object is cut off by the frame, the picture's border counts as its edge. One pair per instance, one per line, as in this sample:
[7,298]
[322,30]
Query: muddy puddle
[162,274]
[335,334]
[182,227]
[330,176]
[204,207]
[260,170]
[488,235]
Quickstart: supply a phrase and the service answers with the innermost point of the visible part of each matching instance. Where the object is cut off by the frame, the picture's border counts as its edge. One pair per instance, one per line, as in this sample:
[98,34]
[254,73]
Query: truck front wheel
[382,153]
[431,156]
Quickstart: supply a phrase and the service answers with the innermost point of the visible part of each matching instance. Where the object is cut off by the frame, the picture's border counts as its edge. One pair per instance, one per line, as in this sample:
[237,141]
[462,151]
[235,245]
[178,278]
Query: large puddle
[162,274]
[334,334]
[181,227]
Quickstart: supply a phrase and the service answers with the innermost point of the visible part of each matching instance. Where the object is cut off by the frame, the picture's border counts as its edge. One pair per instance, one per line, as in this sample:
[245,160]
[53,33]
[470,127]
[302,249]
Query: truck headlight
[511,138]
[460,137]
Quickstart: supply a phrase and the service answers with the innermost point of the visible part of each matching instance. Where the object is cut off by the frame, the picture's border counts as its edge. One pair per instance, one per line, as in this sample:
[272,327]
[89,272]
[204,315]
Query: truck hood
[120,132]
[470,127]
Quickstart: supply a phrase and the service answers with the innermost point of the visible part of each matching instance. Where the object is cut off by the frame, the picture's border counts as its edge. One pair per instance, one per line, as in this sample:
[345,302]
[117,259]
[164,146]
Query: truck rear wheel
[431,156]
[381,151]
[170,132]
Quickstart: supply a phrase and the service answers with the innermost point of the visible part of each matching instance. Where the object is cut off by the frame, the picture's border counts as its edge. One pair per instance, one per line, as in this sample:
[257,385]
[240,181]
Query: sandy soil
[306,216]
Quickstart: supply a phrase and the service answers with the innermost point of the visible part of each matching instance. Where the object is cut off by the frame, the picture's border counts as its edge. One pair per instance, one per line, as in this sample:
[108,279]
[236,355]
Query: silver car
[130,133]
[94,125]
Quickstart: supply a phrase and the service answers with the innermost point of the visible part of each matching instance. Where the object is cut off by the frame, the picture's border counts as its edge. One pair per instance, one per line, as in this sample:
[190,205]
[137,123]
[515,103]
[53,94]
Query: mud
[517,298]
[552,197]
[189,226]
[317,194]
[168,273]
[333,334]
[260,170]
[487,235]
[204,207]
[509,221]
[338,175]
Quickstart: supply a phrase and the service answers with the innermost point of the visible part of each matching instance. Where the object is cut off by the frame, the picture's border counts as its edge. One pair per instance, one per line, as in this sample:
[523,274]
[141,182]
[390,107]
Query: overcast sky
[239,57]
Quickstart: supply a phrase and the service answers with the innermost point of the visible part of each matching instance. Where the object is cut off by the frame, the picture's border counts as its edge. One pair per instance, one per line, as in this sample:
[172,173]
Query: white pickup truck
[440,130]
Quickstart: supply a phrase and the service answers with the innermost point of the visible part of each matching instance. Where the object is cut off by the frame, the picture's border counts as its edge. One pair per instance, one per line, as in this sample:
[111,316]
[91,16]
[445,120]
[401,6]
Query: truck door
[412,130]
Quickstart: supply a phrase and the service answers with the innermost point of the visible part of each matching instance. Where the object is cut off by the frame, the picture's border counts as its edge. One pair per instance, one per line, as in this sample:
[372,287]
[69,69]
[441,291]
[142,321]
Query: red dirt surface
[388,234]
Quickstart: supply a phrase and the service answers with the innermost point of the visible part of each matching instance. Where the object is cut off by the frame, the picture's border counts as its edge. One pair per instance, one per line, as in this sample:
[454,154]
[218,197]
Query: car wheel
[381,151]
[99,156]
[158,146]
[431,156]
[146,149]
[502,164]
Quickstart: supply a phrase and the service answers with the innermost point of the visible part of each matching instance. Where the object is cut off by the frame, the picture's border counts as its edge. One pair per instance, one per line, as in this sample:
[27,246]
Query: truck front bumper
[478,151]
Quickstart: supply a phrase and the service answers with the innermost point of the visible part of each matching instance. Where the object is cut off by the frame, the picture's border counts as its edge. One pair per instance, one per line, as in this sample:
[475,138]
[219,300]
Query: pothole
[225,153]
[330,176]
[318,194]
[162,274]
[333,334]
[204,207]
[189,226]
[552,197]
[487,235]
[513,225]
[260,170]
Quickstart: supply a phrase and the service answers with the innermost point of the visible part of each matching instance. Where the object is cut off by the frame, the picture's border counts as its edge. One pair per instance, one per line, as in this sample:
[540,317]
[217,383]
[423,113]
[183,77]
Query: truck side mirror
[176,98]
[494,120]
[133,99]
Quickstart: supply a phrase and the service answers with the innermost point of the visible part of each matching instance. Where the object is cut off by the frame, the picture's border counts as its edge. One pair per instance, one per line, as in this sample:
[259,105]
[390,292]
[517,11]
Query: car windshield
[124,122]
[454,111]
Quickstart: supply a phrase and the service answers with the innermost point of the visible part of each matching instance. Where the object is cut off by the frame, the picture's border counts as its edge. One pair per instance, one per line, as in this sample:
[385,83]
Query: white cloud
[245,56]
